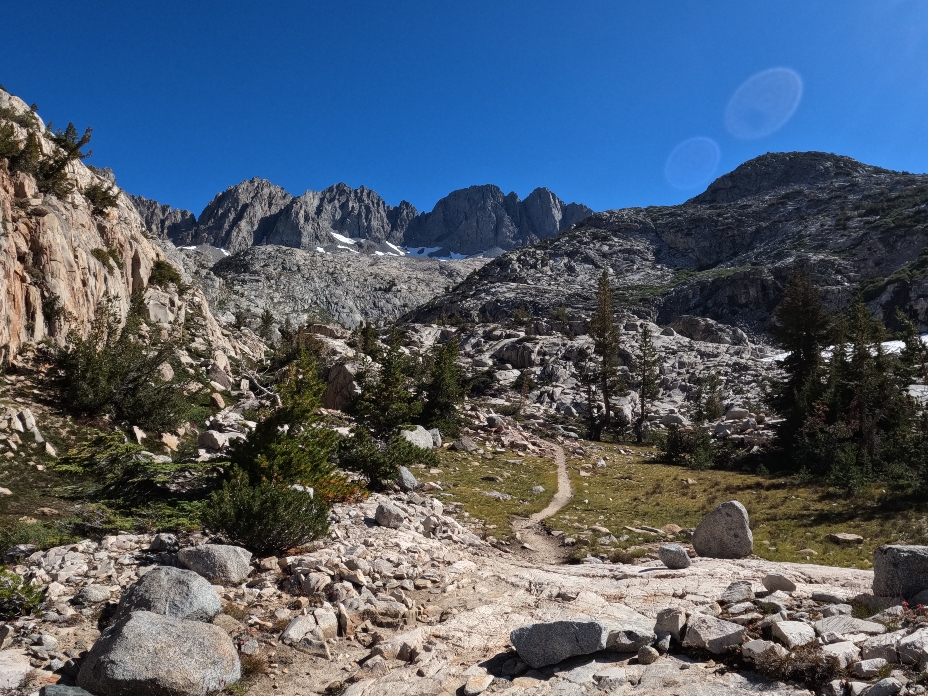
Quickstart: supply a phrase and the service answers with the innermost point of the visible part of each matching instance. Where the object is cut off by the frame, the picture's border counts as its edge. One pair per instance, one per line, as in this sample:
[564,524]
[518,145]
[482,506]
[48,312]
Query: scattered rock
[219,563]
[405,480]
[671,621]
[844,539]
[477,684]
[793,633]
[164,542]
[674,556]
[217,400]
[647,655]
[146,653]
[724,533]
[844,653]
[737,592]
[93,594]
[418,436]
[778,583]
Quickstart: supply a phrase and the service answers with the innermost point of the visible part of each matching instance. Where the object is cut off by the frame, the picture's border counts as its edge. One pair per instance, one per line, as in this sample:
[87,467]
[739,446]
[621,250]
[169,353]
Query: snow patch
[342,238]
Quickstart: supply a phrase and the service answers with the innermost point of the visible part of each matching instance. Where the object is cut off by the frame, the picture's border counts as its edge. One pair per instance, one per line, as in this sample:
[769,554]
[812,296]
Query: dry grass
[463,477]
[790,518]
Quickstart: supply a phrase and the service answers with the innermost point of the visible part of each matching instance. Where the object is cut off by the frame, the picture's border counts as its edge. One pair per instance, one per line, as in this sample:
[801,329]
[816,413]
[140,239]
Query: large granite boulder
[174,592]
[712,634]
[147,654]
[219,563]
[544,644]
[724,533]
[418,436]
[900,571]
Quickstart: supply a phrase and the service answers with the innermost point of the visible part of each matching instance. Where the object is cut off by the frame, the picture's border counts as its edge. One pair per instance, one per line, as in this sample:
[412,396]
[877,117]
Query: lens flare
[692,163]
[763,103]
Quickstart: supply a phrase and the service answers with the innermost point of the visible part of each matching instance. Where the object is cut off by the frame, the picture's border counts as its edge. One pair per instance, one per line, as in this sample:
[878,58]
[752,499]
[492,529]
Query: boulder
[674,556]
[724,533]
[883,646]
[60,690]
[219,563]
[543,644]
[418,436]
[900,571]
[388,515]
[762,649]
[885,687]
[147,654]
[465,444]
[670,621]
[93,594]
[181,594]
[436,437]
[712,634]
[844,539]
[405,480]
[164,542]
[841,625]
[737,592]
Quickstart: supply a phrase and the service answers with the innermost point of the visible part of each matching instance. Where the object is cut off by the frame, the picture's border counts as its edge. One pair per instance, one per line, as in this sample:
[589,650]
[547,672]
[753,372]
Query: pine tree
[444,391]
[645,379]
[387,401]
[607,342]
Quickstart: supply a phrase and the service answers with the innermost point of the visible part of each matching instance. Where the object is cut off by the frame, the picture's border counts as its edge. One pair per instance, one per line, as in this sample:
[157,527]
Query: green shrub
[9,144]
[265,518]
[101,197]
[108,257]
[17,597]
[379,463]
[112,371]
[163,274]
[692,448]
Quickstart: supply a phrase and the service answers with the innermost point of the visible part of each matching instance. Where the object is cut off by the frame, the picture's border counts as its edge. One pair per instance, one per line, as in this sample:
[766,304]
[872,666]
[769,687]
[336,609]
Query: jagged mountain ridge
[727,253]
[467,221]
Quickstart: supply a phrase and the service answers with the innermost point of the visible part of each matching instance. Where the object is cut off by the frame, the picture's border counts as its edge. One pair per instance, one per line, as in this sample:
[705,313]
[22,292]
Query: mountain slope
[727,253]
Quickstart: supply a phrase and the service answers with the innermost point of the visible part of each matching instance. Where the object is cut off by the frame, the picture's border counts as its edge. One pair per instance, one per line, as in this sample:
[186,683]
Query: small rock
[736,592]
[674,556]
[405,480]
[869,668]
[755,649]
[844,539]
[181,594]
[477,684]
[776,582]
[670,621]
[844,653]
[93,594]
[647,655]
[885,687]
[793,633]
[715,635]
[164,542]
[543,644]
[217,400]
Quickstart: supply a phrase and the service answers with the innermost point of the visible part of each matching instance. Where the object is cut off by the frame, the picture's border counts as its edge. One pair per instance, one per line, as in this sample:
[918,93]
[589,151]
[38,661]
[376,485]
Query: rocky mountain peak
[237,218]
[783,169]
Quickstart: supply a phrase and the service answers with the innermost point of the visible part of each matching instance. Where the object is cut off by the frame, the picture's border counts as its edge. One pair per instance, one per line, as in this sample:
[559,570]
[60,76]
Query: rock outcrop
[475,219]
[164,221]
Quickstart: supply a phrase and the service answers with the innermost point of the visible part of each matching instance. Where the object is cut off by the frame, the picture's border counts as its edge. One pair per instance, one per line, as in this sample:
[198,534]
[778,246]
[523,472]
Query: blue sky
[416,98]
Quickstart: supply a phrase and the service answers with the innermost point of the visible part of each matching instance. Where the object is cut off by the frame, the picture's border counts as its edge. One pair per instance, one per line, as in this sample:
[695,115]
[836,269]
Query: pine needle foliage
[444,389]
[387,400]
[645,379]
[607,344]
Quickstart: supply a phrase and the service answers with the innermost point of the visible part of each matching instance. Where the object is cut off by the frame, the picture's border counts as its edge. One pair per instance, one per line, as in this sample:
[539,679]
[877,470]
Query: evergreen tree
[645,379]
[266,325]
[707,397]
[607,342]
[387,401]
[444,391]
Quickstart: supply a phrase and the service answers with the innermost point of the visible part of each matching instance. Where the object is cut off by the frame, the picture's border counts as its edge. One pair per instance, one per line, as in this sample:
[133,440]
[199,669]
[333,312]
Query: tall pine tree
[607,342]
[645,379]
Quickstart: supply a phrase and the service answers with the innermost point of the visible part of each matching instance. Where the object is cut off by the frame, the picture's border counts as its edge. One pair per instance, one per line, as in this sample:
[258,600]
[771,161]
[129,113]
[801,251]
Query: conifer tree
[645,379]
[444,391]
[607,342]
[387,401]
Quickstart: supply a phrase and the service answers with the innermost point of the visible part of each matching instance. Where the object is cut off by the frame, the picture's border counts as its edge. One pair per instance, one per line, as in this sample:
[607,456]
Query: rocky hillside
[60,255]
[342,219]
[727,253]
[299,285]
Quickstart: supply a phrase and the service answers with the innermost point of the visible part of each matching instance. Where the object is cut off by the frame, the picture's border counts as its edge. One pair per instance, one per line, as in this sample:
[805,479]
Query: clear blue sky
[417,98]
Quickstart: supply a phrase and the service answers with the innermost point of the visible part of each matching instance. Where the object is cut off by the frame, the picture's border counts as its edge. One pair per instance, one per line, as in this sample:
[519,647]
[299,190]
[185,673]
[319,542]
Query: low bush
[163,274]
[692,448]
[380,463]
[265,518]
[17,597]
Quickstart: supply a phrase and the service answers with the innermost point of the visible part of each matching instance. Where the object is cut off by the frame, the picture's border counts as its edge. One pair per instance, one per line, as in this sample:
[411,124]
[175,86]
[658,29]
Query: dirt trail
[536,543]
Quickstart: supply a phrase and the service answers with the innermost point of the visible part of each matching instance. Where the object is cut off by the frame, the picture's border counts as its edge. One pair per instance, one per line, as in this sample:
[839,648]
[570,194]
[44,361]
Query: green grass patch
[790,518]
[463,476]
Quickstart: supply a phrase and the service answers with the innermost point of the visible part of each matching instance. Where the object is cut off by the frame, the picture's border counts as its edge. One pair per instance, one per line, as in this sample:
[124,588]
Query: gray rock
[844,653]
[418,436]
[736,592]
[793,633]
[778,583]
[913,649]
[674,556]
[544,644]
[882,646]
[671,621]
[147,654]
[60,690]
[164,542]
[405,480]
[868,668]
[900,571]
[885,687]
[648,655]
[388,515]
[761,649]
[712,634]
[436,437]
[724,533]
[221,564]
[181,594]
[465,444]
[93,594]
[164,221]
[847,625]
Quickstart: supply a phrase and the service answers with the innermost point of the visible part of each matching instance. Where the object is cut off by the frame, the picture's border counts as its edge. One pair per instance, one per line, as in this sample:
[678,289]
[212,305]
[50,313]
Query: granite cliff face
[727,253]
[468,221]
[478,218]
[59,257]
